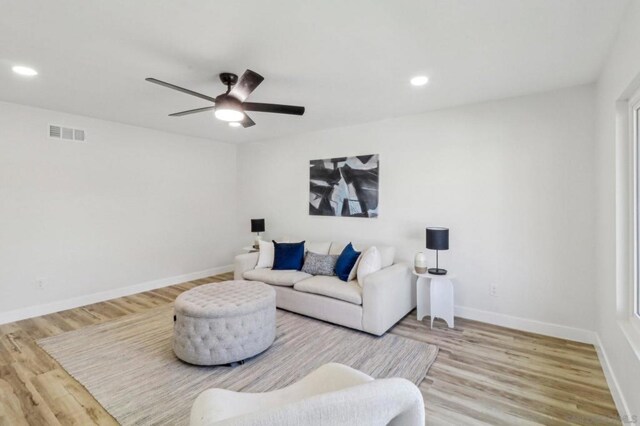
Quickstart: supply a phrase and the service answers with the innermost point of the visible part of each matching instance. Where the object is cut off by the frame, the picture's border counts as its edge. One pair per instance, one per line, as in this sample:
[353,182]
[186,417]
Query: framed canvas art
[344,186]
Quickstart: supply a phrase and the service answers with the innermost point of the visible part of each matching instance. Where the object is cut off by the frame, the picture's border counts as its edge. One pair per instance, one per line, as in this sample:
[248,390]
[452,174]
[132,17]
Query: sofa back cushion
[318,247]
[337,247]
[288,256]
[387,255]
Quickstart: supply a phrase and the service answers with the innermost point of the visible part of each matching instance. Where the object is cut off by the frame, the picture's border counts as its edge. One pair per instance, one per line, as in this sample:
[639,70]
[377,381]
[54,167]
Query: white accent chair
[332,395]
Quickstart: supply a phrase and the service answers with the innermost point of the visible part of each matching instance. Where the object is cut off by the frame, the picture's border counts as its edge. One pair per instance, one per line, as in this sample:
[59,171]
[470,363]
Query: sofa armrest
[243,263]
[387,296]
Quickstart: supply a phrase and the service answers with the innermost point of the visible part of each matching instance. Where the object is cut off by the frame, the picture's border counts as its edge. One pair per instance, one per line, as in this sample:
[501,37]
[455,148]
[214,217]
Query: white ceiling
[347,61]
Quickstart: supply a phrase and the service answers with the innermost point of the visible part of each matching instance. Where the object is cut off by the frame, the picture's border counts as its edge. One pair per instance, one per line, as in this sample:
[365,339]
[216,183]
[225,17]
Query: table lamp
[437,239]
[257,226]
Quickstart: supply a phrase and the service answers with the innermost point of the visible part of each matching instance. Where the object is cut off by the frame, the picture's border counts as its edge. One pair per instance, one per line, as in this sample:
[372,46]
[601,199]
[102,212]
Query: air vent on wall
[66,133]
[54,132]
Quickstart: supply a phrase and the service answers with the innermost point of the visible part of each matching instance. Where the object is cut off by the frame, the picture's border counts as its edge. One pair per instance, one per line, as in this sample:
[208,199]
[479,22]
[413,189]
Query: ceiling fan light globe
[226,114]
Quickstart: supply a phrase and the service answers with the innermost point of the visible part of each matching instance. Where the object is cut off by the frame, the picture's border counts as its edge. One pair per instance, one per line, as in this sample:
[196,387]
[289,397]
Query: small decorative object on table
[420,262]
[257,226]
[437,239]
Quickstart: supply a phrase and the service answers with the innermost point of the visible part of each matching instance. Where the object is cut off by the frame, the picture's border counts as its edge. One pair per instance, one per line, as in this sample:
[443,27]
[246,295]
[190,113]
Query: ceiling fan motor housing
[228,102]
[228,79]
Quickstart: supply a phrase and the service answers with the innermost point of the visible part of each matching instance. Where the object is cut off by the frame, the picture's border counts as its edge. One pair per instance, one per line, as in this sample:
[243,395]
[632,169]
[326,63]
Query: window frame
[627,213]
[632,313]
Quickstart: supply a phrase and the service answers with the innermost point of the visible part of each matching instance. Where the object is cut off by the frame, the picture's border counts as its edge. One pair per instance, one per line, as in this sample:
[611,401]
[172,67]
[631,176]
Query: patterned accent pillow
[319,264]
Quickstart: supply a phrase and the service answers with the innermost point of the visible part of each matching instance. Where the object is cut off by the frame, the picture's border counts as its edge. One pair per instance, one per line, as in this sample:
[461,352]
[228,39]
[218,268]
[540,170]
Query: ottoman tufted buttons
[239,313]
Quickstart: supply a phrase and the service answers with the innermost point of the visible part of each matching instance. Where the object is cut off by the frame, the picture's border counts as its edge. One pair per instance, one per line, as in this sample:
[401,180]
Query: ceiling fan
[231,106]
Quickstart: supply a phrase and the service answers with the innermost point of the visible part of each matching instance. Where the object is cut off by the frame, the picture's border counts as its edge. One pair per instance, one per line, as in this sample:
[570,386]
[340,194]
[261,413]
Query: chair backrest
[394,401]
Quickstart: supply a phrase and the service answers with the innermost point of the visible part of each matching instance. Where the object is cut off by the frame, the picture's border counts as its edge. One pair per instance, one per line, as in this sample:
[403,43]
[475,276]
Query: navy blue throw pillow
[346,262]
[288,256]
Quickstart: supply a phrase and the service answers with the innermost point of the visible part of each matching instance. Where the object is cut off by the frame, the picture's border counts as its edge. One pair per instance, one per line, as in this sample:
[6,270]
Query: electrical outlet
[41,282]
[493,290]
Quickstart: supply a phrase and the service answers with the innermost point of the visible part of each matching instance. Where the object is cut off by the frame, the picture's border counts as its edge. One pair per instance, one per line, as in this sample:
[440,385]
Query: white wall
[620,70]
[132,205]
[512,179]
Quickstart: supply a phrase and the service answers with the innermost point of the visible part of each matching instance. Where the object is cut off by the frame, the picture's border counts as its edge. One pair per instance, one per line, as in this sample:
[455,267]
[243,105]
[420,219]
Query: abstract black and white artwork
[344,186]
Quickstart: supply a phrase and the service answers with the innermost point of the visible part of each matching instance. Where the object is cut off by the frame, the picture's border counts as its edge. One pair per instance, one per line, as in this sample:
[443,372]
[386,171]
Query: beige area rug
[128,364]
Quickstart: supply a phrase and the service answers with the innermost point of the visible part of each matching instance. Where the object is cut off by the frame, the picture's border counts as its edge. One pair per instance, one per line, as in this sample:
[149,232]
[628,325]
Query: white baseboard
[614,387]
[525,324]
[63,305]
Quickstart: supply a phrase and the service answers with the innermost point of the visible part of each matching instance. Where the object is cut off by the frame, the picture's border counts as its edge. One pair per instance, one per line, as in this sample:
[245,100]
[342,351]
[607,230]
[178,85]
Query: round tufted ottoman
[224,323]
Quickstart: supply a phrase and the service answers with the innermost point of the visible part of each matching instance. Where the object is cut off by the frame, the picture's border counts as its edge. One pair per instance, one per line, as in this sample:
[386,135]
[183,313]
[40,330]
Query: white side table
[440,289]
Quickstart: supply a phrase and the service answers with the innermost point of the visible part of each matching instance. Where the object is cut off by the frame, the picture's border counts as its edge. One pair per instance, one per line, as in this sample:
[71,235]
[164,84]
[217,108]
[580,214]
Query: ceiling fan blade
[191,111]
[180,89]
[245,85]
[247,122]
[274,108]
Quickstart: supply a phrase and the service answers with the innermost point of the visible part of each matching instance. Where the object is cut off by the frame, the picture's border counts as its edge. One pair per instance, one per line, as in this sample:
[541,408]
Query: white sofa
[332,395]
[385,297]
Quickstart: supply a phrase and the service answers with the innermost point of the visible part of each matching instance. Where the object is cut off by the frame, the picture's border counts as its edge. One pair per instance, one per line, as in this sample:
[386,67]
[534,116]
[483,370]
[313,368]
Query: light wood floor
[483,374]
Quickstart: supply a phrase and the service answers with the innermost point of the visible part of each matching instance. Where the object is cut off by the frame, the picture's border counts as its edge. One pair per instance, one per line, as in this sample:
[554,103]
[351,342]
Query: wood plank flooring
[484,374]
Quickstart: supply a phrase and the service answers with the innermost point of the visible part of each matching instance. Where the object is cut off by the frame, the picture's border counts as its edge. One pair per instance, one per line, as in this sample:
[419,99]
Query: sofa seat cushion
[331,287]
[285,277]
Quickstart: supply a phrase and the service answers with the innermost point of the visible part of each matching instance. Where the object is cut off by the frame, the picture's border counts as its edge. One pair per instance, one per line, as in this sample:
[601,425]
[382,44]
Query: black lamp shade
[438,238]
[257,225]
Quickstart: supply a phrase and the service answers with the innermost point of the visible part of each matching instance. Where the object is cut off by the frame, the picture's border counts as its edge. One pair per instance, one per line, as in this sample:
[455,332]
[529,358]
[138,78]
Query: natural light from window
[635,131]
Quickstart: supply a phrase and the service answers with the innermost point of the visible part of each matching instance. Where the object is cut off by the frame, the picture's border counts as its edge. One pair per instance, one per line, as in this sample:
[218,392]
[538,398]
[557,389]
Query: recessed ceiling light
[26,71]
[419,80]
[234,124]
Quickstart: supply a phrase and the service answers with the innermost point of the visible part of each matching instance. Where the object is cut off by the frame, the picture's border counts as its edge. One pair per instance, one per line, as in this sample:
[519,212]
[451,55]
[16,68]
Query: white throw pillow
[370,261]
[267,251]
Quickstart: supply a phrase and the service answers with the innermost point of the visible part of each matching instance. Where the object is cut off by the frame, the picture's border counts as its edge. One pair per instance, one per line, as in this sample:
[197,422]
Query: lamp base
[256,241]
[437,271]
